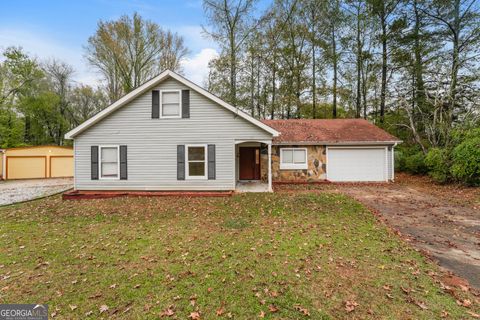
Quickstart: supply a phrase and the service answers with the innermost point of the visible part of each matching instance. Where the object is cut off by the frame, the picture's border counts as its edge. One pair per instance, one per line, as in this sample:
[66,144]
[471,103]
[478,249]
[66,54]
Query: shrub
[415,163]
[466,160]
[438,164]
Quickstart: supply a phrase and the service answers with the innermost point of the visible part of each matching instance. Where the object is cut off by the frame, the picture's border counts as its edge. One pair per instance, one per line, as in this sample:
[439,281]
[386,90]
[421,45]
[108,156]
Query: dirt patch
[432,218]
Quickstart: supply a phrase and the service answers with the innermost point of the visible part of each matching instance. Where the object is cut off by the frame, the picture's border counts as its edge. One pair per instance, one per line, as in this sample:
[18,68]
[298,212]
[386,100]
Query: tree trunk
[359,62]
[335,72]
[384,67]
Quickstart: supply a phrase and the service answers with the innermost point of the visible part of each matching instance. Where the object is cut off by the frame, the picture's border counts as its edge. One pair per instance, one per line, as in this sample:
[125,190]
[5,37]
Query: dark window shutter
[180,162]
[155,104]
[211,162]
[123,163]
[185,103]
[94,162]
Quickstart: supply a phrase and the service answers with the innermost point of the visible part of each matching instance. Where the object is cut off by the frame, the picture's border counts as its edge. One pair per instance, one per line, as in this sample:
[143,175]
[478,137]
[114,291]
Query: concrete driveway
[447,228]
[13,191]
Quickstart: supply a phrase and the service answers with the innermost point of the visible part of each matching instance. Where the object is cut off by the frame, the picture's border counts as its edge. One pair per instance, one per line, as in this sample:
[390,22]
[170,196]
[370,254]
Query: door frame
[259,162]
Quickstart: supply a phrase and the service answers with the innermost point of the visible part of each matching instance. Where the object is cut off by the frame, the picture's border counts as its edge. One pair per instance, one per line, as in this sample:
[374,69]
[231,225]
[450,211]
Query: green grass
[246,254]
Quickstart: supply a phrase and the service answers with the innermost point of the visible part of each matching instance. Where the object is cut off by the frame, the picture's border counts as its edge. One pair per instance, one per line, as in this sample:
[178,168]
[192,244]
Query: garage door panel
[26,167]
[356,164]
[61,167]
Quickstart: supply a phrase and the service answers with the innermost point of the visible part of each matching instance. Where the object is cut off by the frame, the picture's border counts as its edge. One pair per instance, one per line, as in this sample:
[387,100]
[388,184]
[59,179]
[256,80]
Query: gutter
[2,151]
[338,143]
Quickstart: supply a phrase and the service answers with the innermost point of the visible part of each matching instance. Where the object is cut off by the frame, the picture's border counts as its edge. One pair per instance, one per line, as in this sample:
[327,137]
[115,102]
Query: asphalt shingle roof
[328,130]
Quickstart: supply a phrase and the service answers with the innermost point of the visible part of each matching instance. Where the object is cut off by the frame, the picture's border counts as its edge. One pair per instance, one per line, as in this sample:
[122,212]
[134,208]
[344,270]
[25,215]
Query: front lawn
[277,256]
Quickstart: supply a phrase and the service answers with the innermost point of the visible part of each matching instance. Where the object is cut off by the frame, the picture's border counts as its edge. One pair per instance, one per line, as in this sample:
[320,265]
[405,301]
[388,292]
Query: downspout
[393,161]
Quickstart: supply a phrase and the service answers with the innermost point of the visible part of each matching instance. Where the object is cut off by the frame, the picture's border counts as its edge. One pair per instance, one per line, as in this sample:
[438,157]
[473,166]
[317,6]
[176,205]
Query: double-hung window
[170,104]
[196,162]
[109,162]
[293,158]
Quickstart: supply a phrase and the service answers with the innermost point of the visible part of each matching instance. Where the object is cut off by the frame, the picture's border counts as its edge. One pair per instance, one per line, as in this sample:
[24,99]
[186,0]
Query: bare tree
[231,23]
[131,50]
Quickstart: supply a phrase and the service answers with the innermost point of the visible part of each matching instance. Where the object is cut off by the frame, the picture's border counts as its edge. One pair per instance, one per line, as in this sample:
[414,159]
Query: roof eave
[342,143]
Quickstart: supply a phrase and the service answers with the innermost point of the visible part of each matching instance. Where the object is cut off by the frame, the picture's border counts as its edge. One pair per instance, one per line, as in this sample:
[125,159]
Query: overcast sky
[60,29]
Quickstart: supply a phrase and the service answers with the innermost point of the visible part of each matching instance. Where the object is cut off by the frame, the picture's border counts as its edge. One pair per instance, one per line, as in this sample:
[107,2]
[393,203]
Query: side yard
[275,256]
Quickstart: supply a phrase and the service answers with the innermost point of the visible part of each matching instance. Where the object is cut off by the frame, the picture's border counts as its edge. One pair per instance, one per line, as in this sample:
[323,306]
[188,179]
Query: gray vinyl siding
[152,143]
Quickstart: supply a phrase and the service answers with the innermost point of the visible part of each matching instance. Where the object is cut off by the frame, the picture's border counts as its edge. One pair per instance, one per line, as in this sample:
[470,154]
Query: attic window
[170,106]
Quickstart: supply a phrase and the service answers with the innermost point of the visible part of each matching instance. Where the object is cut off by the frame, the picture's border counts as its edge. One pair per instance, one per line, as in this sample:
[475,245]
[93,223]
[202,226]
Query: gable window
[293,158]
[109,162]
[196,161]
[170,105]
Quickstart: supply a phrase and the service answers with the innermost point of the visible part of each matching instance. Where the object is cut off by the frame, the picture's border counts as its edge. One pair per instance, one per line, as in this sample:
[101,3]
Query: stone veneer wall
[316,158]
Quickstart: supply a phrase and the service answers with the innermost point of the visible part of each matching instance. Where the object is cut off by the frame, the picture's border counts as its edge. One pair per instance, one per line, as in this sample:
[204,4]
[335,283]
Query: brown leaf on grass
[261,314]
[194,315]
[421,305]
[465,303]
[73,307]
[88,313]
[405,290]
[387,287]
[473,314]
[444,314]
[389,296]
[220,311]
[350,305]
[272,308]
[302,310]
[168,312]
[193,300]
[103,308]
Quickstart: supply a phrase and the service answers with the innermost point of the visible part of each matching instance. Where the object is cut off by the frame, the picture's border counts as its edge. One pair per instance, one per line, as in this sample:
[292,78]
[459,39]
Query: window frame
[187,162]
[100,176]
[293,166]
[179,104]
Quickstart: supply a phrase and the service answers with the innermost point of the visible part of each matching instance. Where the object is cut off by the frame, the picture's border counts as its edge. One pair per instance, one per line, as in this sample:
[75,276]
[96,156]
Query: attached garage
[37,162]
[358,164]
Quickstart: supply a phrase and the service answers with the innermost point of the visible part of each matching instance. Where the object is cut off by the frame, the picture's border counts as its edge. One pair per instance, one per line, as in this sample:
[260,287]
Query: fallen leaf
[168,312]
[350,305]
[220,311]
[262,314]
[73,307]
[194,315]
[302,310]
[103,308]
[272,308]
[473,314]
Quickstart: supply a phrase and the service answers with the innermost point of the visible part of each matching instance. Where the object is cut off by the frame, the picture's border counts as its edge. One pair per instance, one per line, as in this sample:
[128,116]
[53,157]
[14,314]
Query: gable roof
[152,83]
[329,131]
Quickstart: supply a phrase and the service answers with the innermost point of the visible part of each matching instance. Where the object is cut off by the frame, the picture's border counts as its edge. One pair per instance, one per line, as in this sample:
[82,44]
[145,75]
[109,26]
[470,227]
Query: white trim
[4,159]
[385,174]
[336,143]
[100,162]
[270,189]
[293,166]
[179,104]
[152,83]
[187,169]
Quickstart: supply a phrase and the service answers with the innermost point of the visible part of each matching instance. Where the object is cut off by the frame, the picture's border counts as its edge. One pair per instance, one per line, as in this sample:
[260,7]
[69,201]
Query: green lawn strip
[274,254]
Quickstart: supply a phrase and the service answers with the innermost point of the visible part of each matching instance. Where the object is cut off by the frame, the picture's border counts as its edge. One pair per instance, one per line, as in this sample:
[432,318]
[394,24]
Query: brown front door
[249,163]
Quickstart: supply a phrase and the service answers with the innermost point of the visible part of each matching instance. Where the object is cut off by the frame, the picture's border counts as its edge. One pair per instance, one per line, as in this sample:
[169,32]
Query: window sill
[294,167]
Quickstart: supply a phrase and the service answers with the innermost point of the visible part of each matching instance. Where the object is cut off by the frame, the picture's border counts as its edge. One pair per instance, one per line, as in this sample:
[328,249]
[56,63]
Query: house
[170,134]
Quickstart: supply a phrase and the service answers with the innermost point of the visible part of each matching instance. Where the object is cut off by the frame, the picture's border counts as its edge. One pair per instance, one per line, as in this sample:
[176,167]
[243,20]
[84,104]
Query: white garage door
[356,164]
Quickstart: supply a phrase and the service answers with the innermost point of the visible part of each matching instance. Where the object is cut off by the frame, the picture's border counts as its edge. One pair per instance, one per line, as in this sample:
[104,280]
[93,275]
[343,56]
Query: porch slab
[251,186]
